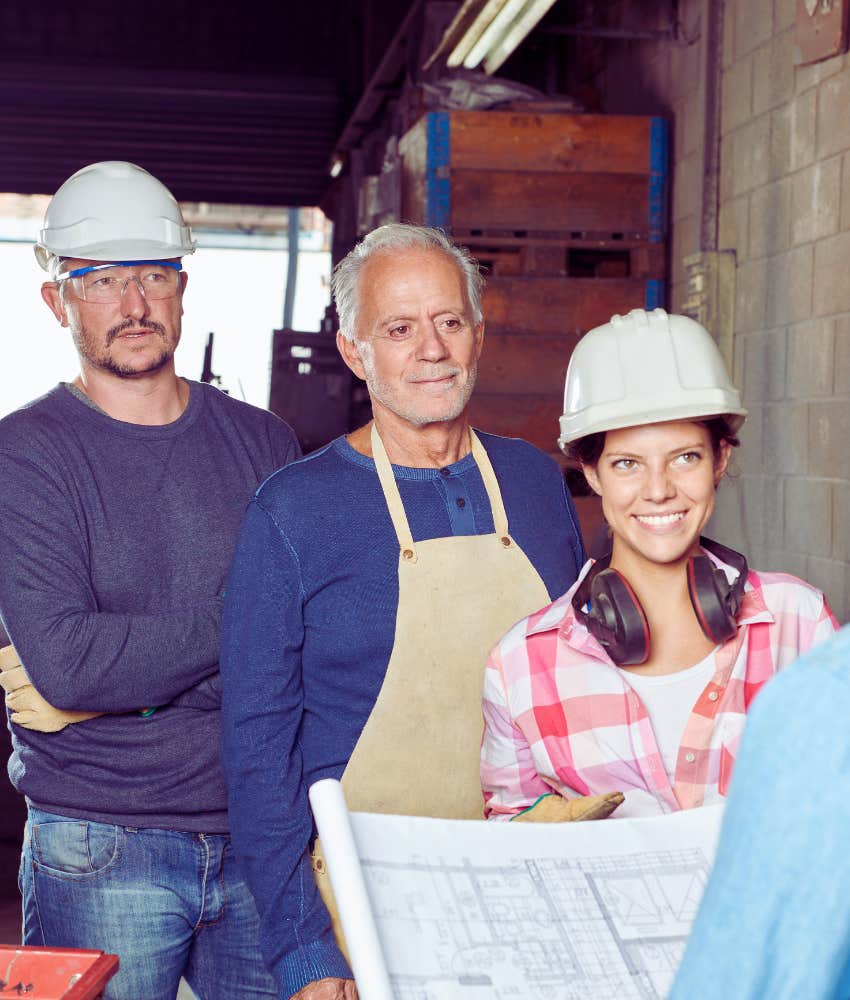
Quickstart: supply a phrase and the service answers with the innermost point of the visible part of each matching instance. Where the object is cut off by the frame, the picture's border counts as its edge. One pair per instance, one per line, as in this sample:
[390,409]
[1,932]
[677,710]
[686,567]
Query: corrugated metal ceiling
[224,102]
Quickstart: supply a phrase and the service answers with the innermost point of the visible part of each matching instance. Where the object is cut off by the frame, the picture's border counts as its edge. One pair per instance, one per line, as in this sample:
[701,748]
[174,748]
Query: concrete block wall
[784,208]
[785,211]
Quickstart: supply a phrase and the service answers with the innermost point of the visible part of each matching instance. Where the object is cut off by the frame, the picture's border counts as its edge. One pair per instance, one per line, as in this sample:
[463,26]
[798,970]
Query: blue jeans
[168,903]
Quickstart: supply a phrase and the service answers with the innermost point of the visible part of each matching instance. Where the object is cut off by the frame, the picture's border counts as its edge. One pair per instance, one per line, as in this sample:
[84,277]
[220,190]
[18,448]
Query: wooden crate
[565,306]
[573,174]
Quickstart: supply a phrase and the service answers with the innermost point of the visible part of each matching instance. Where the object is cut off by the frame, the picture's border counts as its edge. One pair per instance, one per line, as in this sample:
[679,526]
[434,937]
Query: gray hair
[388,239]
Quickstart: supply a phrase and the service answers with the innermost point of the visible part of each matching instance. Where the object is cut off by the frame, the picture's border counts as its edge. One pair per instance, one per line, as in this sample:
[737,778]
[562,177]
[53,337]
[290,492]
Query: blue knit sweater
[307,634]
[115,540]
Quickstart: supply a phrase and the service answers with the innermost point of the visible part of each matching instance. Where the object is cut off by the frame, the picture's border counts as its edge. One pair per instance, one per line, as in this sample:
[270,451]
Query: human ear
[721,462]
[53,297]
[350,354]
[592,478]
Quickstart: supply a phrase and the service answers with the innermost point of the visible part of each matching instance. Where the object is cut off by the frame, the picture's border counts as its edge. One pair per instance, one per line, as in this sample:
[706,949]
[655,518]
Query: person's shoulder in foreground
[775,918]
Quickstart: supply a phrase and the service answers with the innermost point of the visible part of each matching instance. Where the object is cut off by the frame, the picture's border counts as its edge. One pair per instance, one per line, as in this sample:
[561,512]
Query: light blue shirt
[775,919]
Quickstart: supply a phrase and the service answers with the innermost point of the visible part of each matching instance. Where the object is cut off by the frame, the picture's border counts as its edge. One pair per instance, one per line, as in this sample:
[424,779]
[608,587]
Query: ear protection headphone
[618,622]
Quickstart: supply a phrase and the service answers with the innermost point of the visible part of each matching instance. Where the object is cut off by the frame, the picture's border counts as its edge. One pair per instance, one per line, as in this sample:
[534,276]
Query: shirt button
[460,502]
[690,757]
[712,696]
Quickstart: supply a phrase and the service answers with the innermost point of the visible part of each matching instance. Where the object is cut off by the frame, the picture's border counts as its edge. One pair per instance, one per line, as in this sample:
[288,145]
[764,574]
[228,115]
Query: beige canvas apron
[419,752]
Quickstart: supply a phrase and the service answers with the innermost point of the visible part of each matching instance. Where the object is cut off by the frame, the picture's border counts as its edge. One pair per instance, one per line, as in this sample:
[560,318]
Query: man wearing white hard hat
[638,679]
[123,492]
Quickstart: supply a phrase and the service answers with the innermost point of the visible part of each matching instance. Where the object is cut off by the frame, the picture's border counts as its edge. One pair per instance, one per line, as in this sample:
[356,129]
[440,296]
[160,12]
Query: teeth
[654,519]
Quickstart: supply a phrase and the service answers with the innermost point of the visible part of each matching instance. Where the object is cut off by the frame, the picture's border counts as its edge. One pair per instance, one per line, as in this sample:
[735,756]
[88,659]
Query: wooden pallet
[566,173]
[564,306]
[577,255]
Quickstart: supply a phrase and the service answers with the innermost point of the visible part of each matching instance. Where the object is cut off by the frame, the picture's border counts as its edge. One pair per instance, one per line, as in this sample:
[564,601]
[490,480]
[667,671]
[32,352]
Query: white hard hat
[112,211]
[645,368]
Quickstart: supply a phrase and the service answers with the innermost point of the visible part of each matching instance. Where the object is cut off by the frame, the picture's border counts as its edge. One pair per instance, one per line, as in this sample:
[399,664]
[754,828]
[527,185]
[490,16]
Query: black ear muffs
[614,614]
[618,622]
[715,600]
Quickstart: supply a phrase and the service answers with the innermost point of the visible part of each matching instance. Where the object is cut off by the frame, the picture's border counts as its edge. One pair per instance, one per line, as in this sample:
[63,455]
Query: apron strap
[392,495]
[396,507]
[485,467]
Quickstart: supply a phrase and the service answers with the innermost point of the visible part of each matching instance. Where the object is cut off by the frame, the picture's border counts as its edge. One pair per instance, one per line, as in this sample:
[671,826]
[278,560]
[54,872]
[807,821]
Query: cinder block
[747,460]
[727,55]
[765,356]
[816,201]
[811,358]
[830,577]
[752,155]
[786,438]
[841,522]
[736,95]
[803,118]
[753,24]
[831,284]
[773,73]
[784,14]
[808,517]
[727,167]
[833,121]
[770,215]
[687,178]
[781,560]
[733,226]
[813,74]
[727,524]
[685,242]
[789,286]
[780,142]
[841,373]
[829,433]
[750,295]
[845,191]
[690,124]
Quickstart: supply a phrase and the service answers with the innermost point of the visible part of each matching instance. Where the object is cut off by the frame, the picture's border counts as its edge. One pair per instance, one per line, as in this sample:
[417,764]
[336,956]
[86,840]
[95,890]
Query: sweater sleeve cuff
[317,960]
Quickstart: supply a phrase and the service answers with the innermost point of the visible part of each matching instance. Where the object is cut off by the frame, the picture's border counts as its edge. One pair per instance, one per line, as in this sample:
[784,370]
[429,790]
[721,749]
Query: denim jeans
[168,903]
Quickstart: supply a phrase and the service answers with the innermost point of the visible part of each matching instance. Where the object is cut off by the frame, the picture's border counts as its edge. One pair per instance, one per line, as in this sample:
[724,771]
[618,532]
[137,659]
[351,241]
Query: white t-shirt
[669,700]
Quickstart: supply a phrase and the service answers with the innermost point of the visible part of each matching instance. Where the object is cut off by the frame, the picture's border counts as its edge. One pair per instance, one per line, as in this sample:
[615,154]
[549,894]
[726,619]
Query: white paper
[355,914]
[469,910]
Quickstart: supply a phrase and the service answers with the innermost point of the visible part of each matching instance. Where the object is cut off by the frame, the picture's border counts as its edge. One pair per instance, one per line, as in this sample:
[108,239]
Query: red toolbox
[54,973]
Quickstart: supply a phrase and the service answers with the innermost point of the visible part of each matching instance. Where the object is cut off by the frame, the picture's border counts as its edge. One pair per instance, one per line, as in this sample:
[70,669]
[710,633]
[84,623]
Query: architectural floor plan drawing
[586,911]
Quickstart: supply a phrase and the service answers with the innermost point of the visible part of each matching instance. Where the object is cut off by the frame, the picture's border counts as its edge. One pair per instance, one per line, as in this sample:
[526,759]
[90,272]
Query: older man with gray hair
[369,583]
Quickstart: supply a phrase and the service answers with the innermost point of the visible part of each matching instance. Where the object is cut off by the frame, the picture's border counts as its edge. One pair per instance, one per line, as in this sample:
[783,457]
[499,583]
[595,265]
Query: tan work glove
[556,809]
[28,708]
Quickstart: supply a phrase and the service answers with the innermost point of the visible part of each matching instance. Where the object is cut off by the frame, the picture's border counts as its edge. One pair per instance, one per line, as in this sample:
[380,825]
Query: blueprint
[586,911]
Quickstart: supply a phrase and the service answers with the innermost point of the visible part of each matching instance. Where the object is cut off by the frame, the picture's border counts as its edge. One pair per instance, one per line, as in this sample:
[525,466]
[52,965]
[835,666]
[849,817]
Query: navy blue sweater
[115,540]
[307,634]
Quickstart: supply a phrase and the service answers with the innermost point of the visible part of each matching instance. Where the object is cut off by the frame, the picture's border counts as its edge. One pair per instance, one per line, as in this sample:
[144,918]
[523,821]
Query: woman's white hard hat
[112,210]
[645,368]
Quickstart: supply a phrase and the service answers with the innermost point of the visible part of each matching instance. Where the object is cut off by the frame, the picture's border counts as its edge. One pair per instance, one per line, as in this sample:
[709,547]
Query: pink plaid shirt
[559,715]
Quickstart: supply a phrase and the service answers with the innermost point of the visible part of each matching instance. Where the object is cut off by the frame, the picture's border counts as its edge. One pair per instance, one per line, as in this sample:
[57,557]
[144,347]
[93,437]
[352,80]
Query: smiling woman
[639,678]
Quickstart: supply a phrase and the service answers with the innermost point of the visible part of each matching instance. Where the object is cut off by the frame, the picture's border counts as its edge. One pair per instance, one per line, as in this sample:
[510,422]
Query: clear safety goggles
[156,279]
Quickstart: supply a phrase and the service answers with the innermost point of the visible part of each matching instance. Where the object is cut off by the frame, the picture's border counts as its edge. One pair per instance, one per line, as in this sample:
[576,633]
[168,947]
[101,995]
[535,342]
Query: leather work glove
[29,710]
[555,808]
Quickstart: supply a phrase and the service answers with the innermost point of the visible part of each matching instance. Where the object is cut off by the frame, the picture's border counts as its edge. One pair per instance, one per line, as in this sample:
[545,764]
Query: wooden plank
[549,201]
[533,418]
[506,140]
[558,305]
[518,363]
